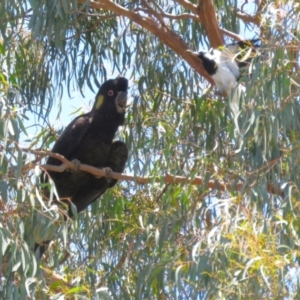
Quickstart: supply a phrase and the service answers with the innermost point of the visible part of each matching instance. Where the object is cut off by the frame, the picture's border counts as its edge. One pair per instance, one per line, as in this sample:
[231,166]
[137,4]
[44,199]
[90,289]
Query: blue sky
[64,110]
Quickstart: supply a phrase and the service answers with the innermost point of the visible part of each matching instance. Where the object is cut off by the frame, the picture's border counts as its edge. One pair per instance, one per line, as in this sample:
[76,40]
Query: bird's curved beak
[121,101]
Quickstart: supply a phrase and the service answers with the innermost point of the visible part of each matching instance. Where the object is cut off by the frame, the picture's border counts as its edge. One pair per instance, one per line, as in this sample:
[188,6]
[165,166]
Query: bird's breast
[92,151]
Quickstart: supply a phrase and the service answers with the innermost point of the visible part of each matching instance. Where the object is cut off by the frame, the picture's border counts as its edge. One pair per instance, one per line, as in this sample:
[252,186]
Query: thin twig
[247,18]
[231,34]
[183,16]
[188,5]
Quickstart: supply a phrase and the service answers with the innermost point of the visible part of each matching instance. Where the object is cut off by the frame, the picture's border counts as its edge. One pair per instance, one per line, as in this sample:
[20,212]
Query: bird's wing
[117,159]
[72,135]
[97,186]
[228,58]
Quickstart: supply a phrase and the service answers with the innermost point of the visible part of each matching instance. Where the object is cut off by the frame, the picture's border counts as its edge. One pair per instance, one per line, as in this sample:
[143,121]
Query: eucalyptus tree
[209,209]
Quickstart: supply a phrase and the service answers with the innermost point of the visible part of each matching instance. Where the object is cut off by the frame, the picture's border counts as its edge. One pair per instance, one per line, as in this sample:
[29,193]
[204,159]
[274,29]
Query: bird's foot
[108,172]
[76,163]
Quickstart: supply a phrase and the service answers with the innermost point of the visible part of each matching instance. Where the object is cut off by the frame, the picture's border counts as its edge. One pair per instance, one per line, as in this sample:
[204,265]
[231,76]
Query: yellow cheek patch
[99,102]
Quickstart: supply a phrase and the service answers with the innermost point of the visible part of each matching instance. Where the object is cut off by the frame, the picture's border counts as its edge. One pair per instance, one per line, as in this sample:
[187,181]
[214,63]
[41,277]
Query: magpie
[225,72]
[224,66]
[244,51]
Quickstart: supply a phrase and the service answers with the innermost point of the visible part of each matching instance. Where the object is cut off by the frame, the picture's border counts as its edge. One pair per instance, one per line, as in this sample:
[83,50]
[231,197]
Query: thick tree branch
[207,15]
[204,13]
[165,34]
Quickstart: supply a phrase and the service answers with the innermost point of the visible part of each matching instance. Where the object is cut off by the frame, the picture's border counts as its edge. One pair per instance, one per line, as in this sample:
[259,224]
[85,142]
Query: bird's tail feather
[234,98]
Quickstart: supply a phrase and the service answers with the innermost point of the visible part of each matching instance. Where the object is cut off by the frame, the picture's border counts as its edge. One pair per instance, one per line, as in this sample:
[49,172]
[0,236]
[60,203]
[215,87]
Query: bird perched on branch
[88,139]
[224,66]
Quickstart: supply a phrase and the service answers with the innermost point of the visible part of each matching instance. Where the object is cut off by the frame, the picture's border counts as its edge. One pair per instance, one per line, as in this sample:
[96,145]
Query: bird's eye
[110,93]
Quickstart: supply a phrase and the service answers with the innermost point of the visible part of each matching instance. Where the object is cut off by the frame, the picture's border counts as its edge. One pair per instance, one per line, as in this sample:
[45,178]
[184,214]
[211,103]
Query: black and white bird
[224,66]
[244,51]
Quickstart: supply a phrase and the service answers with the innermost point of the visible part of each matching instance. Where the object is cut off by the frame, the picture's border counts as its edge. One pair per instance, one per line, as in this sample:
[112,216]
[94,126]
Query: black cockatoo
[89,140]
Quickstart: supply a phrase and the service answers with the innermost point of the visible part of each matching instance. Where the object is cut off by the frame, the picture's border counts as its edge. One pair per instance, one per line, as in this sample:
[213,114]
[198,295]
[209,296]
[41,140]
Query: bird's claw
[108,172]
[76,163]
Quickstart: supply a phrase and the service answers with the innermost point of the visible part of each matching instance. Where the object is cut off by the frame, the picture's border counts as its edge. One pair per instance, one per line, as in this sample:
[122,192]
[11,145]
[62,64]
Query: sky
[70,104]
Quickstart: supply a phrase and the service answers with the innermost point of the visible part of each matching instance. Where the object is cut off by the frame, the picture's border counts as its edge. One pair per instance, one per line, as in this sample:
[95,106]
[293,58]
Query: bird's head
[112,96]
[209,60]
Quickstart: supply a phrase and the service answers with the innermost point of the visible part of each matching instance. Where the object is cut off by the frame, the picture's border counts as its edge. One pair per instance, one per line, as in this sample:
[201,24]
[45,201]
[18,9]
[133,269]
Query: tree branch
[231,34]
[248,19]
[207,14]
[151,11]
[204,13]
[183,16]
[163,32]
[188,5]
[168,178]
